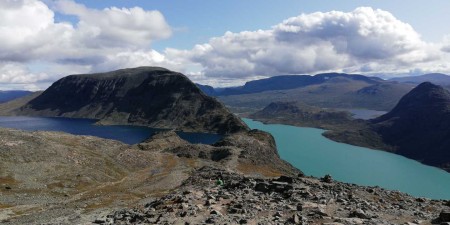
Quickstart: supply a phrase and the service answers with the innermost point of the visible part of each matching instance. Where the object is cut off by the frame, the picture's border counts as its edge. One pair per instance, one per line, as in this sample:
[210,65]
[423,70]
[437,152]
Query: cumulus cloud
[26,27]
[28,32]
[18,76]
[363,40]
[446,44]
[116,27]
[129,59]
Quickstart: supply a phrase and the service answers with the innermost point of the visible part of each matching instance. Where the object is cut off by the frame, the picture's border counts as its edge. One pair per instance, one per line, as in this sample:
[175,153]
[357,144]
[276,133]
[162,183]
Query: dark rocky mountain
[209,90]
[435,78]
[6,96]
[419,126]
[148,96]
[284,82]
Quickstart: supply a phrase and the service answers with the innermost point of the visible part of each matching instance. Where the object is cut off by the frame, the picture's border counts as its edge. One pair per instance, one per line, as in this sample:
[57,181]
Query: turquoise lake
[315,155]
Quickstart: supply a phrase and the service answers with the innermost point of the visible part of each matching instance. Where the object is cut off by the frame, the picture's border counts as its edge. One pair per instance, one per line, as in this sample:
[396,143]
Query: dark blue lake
[125,134]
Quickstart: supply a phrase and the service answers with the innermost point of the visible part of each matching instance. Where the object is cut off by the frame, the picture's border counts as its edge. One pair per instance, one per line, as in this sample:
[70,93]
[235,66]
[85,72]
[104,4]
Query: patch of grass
[104,203]
[190,162]
[8,180]
[21,212]
[266,170]
[170,163]
[5,206]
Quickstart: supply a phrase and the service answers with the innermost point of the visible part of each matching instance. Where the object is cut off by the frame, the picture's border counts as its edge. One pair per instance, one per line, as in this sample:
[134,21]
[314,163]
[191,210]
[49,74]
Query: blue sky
[221,43]
[198,21]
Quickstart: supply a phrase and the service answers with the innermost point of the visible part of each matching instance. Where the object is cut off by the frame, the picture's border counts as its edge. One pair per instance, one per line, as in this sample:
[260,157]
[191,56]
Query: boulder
[444,216]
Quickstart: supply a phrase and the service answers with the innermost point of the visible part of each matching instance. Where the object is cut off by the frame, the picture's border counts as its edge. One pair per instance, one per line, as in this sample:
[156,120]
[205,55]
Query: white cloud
[364,40]
[446,44]
[26,28]
[116,27]
[18,76]
[28,32]
[129,59]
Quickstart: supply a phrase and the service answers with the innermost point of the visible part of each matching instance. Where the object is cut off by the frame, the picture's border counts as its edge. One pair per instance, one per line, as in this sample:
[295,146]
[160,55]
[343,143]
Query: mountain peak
[427,98]
[419,125]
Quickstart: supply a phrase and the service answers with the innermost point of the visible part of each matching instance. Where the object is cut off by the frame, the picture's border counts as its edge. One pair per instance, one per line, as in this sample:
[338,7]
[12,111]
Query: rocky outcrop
[162,141]
[149,96]
[284,200]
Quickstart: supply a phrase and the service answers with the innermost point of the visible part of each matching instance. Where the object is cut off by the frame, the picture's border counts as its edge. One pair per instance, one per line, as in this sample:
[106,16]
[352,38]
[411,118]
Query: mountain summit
[149,96]
[419,126]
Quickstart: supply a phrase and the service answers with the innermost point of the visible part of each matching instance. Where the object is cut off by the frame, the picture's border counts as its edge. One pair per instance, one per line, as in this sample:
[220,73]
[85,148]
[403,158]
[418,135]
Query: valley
[224,112]
[56,177]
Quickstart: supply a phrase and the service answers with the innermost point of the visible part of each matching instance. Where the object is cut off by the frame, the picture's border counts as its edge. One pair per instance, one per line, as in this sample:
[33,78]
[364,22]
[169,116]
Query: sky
[221,43]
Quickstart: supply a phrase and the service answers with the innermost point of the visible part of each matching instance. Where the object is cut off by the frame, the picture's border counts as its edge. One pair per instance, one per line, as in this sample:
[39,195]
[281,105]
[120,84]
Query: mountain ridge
[6,96]
[282,82]
[436,78]
[149,96]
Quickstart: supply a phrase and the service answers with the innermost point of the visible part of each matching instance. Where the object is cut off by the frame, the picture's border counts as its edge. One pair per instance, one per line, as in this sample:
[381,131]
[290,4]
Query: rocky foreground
[284,200]
[58,178]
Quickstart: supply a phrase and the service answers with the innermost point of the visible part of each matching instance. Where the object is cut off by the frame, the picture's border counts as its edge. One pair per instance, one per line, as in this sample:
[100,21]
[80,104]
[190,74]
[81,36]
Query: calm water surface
[308,150]
[126,134]
[365,114]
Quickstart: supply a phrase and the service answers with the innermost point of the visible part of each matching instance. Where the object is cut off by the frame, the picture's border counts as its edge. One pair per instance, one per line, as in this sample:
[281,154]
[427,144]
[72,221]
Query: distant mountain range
[331,90]
[283,82]
[149,96]
[328,90]
[435,78]
[6,96]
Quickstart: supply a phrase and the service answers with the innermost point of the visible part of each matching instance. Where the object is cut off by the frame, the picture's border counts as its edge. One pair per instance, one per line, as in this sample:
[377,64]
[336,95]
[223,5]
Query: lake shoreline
[82,126]
[403,172]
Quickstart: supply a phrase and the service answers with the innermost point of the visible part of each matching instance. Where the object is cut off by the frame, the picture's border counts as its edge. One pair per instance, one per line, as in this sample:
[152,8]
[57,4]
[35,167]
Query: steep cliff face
[419,126]
[149,96]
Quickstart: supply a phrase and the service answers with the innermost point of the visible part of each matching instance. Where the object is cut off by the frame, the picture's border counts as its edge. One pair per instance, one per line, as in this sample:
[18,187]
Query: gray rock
[327,179]
[262,187]
[215,212]
[444,216]
[359,213]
